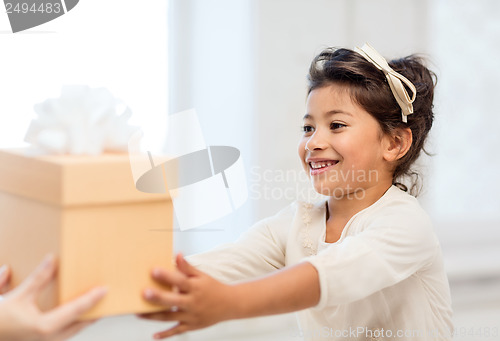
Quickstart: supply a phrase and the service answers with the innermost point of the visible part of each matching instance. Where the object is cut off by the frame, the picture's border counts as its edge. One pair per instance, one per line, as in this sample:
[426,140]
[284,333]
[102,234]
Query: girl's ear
[397,144]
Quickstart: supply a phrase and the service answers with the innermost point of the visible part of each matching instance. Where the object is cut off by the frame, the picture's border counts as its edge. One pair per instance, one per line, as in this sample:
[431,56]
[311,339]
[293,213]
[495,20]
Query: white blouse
[382,280]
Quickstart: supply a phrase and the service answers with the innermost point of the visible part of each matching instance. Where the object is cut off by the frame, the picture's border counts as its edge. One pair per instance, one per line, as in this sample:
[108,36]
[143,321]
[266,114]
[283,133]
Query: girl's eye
[335,125]
[307,129]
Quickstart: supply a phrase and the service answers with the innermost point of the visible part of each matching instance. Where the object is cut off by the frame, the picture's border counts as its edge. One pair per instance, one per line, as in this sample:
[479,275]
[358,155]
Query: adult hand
[195,301]
[22,320]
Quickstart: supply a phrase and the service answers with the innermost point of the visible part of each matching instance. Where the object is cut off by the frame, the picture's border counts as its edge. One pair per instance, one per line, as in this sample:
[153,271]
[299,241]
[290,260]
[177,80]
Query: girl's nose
[316,142]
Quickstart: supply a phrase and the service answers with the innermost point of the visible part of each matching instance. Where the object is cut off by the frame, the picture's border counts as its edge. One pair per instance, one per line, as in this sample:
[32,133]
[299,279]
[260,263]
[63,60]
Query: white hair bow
[395,80]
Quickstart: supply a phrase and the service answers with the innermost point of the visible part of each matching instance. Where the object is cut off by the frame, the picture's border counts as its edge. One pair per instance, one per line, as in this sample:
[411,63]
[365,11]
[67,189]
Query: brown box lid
[71,180]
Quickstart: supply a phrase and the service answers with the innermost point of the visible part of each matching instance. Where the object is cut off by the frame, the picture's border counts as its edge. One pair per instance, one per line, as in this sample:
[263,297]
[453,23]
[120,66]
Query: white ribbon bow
[395,80]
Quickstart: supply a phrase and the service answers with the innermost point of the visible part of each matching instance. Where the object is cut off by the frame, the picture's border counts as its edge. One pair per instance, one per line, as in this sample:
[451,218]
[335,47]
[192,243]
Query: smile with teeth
[322,164]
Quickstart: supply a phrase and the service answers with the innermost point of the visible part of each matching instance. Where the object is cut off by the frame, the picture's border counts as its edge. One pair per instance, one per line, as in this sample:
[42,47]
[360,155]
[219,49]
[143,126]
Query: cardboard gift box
[87,211]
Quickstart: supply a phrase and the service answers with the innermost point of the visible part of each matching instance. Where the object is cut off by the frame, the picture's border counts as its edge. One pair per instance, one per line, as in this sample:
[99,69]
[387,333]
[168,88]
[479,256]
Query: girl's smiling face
[343,148]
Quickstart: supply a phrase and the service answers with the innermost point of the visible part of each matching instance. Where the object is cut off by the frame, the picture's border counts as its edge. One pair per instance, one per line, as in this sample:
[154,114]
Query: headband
[394,79]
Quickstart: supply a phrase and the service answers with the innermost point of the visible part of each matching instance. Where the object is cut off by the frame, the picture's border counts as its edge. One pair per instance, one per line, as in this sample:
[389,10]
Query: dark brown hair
[369,88]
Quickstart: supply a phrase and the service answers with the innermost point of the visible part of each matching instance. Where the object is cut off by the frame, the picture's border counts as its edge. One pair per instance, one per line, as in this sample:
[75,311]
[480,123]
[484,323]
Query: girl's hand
[22,320]
[195,301]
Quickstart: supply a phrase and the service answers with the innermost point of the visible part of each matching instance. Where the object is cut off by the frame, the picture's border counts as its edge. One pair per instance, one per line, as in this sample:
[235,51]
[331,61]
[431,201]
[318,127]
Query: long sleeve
[257,252]
[389,249]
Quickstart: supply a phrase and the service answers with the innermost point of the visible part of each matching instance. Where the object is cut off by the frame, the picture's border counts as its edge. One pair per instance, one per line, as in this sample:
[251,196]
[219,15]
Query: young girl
[365,264]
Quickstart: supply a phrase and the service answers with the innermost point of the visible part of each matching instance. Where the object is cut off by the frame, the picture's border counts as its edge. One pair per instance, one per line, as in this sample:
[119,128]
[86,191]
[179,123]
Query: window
[120,45]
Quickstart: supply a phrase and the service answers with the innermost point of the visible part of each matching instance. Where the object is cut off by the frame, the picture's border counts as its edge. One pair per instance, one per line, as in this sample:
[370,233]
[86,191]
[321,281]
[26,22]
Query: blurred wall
[463,183]
[211,69]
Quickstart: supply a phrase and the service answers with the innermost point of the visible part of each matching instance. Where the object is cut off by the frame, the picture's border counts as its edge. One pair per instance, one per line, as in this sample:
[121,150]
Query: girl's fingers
[166,316]
[171,278]
[66,314]
[152,316]
[185,267]
[165,298]
[39,278]
[178,329]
